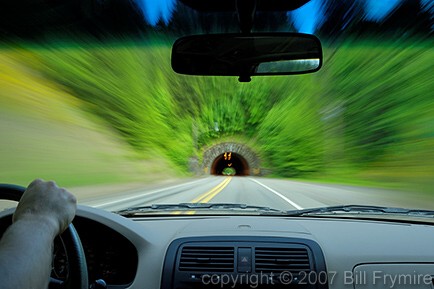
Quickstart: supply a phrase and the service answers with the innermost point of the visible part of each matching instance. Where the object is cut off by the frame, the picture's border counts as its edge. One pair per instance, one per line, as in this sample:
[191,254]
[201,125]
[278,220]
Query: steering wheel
[77,269]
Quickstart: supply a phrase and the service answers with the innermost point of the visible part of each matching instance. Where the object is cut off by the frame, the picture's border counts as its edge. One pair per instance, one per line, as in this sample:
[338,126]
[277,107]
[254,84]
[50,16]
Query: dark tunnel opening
[230,160]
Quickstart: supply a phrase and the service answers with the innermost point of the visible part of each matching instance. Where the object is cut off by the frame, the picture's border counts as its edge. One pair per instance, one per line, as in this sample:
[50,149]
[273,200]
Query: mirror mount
[246,10]
[245,76]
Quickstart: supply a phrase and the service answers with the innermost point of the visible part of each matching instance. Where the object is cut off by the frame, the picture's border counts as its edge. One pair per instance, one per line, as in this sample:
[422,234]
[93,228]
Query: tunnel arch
[238,156]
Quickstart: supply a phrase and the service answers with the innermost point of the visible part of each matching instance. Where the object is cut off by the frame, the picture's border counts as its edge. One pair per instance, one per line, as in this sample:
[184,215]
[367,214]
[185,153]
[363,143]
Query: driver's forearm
[26,255]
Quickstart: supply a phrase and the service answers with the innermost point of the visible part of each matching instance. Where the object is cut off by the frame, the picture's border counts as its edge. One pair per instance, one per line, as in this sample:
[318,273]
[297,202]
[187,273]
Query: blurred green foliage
[229,171]
[369,111]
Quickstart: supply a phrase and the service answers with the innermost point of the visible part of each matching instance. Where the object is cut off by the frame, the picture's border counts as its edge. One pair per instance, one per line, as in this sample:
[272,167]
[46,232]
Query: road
[273,193]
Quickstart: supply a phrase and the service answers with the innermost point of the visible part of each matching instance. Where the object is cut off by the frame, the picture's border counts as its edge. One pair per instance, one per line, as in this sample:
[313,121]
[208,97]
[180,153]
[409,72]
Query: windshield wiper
[331,210]
[196,206]
[360,209]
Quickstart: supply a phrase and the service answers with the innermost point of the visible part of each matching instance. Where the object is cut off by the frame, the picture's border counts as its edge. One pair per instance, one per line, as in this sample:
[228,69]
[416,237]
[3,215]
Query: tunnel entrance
[230,163]
[239,160]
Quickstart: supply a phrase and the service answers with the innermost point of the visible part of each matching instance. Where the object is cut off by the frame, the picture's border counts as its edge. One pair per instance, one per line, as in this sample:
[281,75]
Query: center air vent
[243,262]
[277,260]
[207,259]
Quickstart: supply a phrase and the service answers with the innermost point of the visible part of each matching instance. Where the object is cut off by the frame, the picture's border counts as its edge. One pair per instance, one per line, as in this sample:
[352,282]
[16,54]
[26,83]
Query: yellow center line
[206,197]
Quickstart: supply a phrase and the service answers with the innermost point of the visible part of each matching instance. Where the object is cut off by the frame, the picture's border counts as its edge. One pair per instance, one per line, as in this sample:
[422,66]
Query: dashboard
[252,251]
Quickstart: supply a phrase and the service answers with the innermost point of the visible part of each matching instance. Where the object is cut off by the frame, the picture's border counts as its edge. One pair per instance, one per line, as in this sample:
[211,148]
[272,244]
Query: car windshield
[92,102]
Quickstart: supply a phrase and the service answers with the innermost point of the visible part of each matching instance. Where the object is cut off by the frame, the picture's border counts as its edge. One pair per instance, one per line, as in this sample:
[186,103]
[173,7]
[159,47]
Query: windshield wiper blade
[360,209]
[196,206]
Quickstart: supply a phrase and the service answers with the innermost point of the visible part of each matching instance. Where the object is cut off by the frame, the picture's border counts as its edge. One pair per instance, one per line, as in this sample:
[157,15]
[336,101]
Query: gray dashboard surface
[347,244]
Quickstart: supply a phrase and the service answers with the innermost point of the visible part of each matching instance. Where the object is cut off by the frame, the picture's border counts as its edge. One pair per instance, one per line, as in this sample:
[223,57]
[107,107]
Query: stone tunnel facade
[242,157]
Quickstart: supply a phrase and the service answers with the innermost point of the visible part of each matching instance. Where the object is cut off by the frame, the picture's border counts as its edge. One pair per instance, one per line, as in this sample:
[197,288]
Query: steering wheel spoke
[56,284]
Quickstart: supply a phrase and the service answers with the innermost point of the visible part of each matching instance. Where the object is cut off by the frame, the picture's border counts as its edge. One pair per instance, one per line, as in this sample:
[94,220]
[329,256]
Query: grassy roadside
[45,134]
[420,186]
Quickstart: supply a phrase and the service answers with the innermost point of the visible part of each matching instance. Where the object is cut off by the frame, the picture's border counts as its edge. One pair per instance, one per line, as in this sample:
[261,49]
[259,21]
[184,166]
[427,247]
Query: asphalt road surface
[273,193]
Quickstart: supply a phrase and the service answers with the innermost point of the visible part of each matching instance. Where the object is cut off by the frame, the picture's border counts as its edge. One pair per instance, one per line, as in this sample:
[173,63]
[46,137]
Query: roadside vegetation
[367,117]
[46,133]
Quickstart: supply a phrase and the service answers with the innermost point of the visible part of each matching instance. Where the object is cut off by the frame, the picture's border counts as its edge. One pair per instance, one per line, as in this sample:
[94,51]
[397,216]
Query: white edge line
[144,194]
[298,207]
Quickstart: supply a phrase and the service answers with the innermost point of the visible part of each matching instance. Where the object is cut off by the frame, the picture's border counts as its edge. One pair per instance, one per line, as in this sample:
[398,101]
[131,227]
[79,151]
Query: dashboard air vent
[207,259]
[277,260]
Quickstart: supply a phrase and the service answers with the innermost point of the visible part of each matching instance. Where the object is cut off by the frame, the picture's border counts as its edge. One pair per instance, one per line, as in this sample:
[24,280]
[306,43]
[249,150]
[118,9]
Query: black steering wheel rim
[77,276]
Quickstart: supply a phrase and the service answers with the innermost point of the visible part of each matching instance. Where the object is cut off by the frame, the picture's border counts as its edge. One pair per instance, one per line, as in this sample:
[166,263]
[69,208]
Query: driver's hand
[46,202]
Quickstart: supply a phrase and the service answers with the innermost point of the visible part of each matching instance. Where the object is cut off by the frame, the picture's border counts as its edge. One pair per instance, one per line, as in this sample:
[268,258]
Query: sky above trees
[306,19]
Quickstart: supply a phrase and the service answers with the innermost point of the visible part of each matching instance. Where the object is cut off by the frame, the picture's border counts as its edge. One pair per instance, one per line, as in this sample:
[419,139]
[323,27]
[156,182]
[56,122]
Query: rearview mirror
[247,55]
